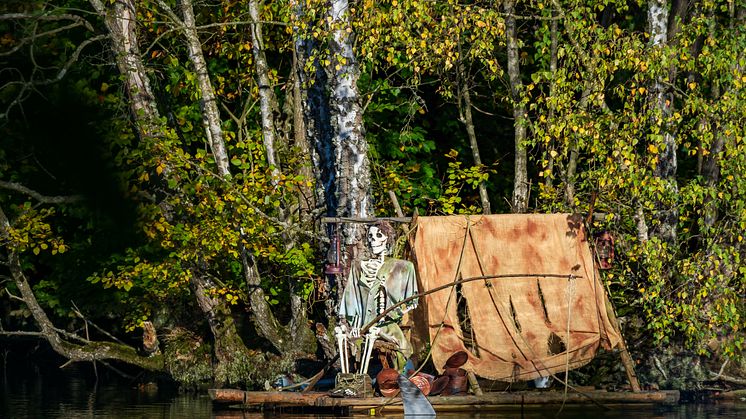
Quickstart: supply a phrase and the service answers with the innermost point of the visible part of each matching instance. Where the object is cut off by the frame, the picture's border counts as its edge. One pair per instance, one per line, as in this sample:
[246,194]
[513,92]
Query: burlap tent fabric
[519,325]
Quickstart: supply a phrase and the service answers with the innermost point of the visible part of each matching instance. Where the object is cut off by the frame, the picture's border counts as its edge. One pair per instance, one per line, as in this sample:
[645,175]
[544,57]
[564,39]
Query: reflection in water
[29,390]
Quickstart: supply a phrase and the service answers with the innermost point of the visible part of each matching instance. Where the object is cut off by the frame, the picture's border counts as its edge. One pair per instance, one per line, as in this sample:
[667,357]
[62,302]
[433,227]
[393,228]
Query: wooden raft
[321,401]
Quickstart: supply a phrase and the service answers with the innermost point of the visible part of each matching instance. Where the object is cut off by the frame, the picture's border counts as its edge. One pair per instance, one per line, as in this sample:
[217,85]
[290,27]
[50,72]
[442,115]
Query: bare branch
[22,333]
[95,326]
[15,297]
[49,18]
[39,197]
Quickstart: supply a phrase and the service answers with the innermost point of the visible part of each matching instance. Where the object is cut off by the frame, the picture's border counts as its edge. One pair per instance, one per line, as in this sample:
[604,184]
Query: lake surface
[33,390]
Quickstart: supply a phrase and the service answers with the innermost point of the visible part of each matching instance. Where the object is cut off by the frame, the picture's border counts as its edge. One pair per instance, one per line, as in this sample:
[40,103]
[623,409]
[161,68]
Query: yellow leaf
[481,24]
[692,85]
[653,149]
[159,169]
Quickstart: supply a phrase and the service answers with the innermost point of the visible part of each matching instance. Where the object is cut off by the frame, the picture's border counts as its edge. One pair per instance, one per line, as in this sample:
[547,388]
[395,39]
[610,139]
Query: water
[33,390]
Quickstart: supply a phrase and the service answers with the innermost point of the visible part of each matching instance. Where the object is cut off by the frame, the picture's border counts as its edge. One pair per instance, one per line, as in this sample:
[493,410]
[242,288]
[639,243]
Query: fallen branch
[729,379]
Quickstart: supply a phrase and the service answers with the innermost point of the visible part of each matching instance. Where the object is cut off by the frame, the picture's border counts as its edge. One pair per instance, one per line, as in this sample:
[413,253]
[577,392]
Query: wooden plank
[368,220]
[321,399]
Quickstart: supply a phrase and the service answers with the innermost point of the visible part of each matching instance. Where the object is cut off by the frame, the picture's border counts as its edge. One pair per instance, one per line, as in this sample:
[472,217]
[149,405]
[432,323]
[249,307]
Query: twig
[14,296]
[79,314]
[722,368]
[658,365]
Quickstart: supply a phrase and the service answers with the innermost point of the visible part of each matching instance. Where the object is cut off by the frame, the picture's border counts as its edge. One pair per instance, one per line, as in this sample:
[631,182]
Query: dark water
[31,390]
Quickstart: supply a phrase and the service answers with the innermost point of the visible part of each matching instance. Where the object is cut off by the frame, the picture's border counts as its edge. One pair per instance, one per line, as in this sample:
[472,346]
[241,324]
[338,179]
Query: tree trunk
[520,177]
[468,121]
[316,118]
[574,151]
[554,35]
[307,199]
[267,100]
[121,22]
[314,109]
[210,114]
[352,168]
[662,101]
[710,164]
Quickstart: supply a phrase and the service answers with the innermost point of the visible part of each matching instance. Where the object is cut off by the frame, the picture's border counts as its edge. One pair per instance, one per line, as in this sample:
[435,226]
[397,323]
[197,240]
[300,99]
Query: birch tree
[121,19]
[352,167]
[520,176]
[662,105]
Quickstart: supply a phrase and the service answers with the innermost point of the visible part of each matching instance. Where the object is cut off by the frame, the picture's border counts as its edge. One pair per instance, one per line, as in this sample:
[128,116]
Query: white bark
[352,168]
[267,98]
[520,176]
[658,21]
[662,102]
[210,114]
[121,22]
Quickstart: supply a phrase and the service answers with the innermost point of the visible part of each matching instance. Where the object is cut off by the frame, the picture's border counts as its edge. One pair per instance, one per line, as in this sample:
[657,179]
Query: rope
[570,292]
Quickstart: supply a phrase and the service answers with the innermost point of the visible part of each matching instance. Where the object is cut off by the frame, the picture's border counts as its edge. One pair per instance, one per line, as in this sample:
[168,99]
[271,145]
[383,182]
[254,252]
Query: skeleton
[369,270]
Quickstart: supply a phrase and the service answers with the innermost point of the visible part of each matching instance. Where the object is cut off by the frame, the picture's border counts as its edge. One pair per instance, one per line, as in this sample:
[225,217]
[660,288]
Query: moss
[674,368]
[188,358]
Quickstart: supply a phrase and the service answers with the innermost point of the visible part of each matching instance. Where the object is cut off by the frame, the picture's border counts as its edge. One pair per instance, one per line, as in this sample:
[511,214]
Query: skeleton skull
[377,240]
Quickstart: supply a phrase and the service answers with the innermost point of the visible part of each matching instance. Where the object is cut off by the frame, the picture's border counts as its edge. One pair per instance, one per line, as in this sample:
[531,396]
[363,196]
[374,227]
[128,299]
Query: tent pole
[629,367]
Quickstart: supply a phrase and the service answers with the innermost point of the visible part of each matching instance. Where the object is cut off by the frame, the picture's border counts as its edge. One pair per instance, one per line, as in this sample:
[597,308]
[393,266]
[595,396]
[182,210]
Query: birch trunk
[208,103]
[352,168]
[661,102]
[520,176]
[121,22]
[267,99]
[314,109]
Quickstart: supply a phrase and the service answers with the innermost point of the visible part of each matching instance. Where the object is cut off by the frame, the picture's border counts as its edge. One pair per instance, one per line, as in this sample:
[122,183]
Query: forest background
[164,164]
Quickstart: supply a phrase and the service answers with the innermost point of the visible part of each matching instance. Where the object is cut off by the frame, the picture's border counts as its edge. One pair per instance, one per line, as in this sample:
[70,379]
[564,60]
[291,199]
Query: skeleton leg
[342,348]
[370,339]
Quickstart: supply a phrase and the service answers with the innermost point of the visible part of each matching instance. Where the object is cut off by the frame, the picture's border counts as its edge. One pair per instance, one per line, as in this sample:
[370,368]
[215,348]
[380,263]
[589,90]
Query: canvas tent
[519,322]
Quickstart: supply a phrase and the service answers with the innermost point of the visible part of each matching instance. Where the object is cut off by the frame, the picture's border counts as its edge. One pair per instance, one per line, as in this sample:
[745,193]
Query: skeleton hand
[374,330]
[354,332]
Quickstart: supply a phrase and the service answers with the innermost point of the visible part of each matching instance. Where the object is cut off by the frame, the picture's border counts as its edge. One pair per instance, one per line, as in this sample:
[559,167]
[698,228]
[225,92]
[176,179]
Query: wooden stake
[395,201]
[629,366]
